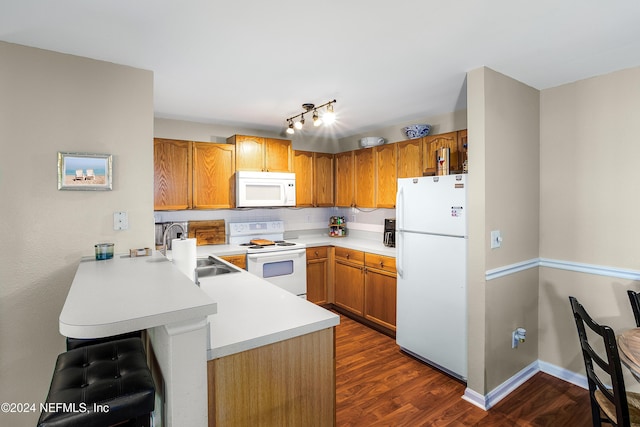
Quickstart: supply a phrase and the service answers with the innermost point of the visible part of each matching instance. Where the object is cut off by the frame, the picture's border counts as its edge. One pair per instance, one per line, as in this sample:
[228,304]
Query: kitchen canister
[104,251]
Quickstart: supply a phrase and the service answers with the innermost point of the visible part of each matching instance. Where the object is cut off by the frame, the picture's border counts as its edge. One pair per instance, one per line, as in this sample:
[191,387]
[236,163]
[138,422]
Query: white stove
[276,260]
[242,233]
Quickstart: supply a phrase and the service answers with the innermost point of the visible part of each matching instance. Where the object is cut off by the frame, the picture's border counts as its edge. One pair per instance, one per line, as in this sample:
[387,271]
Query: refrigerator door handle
[399,228]
[400,244]
[400,209]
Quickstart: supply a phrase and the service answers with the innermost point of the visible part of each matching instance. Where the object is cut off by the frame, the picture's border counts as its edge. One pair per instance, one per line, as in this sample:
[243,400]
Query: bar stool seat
[100,385]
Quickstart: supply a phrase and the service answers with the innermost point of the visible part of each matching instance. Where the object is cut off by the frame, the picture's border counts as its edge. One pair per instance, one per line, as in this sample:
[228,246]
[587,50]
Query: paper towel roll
[183,252]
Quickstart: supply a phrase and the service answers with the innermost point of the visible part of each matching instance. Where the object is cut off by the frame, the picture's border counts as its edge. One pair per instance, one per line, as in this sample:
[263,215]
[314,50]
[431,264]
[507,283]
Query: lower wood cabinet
[380,290]
[317,275]
[237,260]
[349,280]
[365,286]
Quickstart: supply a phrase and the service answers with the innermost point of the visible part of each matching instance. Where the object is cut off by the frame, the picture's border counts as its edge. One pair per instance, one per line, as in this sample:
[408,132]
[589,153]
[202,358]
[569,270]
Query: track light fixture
[328,117]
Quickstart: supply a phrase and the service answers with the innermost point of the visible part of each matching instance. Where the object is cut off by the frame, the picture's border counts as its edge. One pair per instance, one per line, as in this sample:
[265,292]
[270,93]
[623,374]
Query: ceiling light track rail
[327,118]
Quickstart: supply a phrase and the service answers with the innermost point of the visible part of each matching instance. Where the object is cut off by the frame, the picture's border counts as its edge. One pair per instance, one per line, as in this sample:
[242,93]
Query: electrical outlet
[120,221]
[496,239]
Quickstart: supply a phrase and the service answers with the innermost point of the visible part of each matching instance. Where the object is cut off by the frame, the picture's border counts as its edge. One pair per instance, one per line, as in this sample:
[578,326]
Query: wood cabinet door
[317,280]
[249,152]
[410,158]
[277,155]
[303,168]
[323,179]
[387,183]
[213,175]
[380,297]
[344,179]
[172,174]
[365,178]
[430,146]
[349,287]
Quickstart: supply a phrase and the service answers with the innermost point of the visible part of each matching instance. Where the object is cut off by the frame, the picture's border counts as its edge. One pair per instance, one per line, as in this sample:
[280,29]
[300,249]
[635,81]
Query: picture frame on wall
[84,171]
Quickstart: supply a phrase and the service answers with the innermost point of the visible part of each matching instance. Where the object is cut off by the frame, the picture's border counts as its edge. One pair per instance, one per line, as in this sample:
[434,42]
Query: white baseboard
[485,402]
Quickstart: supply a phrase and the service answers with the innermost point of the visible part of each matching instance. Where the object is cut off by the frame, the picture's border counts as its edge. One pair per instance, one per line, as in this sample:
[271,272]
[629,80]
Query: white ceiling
[253,63]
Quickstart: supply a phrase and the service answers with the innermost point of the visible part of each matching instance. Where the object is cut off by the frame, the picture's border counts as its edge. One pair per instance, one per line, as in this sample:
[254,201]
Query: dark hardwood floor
[378,385]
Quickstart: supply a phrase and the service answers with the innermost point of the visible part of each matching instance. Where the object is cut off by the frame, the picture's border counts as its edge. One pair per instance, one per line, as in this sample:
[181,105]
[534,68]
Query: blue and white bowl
[416,131]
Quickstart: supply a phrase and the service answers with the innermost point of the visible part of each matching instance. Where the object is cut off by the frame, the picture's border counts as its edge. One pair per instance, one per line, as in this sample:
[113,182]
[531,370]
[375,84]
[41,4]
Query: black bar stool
[101,385]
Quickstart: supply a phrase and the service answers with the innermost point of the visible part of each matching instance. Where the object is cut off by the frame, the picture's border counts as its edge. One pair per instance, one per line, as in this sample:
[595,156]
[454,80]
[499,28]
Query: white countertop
[253,312]
[123,294]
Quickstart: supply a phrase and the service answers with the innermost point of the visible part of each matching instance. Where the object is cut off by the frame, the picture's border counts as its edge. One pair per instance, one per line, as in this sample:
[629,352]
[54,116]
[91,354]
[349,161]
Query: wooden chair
[613,404]
[634,297]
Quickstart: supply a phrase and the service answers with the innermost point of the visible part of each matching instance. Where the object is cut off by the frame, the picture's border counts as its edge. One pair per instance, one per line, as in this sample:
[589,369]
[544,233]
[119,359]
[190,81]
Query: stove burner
[278,241]
[246,244]
[254,246]
[285,244]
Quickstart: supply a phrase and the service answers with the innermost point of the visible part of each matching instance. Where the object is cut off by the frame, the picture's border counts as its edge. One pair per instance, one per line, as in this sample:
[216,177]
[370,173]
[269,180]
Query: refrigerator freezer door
[432,300]
[432,205]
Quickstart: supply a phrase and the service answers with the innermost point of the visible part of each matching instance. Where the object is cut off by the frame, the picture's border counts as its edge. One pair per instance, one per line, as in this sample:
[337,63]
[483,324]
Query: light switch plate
[496,239]
[120,221]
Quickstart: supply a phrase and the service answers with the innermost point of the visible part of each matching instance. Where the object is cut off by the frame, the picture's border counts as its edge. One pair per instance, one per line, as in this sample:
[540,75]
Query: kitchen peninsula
[232,321]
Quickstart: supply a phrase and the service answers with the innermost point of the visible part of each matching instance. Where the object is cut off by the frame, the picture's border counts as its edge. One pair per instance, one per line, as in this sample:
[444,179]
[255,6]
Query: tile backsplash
[294,218]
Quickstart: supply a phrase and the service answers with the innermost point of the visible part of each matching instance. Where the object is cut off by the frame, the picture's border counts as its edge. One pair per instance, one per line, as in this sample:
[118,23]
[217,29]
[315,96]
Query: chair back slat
[616,392]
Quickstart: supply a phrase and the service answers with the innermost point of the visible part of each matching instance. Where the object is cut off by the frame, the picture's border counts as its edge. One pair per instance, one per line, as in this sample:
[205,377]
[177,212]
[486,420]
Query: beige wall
[53,102]
[503,158]
[589,206]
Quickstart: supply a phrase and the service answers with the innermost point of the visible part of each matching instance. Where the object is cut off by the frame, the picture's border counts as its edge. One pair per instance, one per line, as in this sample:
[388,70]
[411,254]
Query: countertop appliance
[280,262]
[431,245]
[265,189]
[389,238]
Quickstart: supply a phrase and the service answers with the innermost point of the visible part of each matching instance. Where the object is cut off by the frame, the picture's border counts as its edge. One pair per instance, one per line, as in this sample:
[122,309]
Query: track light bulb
[329,116]
[317,121]
[298,124]
[290,130]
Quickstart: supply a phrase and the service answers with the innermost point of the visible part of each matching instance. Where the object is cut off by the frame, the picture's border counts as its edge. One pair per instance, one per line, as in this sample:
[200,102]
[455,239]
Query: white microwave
[265,189]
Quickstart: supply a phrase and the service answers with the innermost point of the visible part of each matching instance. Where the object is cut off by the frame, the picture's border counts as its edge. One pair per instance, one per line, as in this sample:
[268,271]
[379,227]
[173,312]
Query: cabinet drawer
[316,253]
[356,257]
[380,262]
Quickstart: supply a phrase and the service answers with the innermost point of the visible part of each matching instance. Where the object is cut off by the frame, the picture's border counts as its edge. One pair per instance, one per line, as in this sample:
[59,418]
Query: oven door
[285,269]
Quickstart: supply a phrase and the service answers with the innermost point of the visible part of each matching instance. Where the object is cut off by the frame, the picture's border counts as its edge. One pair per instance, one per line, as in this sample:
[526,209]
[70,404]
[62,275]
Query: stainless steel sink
[212,267]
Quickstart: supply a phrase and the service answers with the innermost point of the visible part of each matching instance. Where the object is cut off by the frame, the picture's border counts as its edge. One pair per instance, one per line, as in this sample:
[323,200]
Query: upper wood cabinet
[213,175]
[344,179]
[193,175]
[303,167]
[409,158]
[323,175]
[314,178]
[255,153]
[365,177]
[172,166]
[387,181]
[430,146]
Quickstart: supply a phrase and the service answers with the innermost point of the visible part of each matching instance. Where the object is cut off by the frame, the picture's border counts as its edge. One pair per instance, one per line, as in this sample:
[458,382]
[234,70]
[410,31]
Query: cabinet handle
[316,253]
[381,264]
[347,256]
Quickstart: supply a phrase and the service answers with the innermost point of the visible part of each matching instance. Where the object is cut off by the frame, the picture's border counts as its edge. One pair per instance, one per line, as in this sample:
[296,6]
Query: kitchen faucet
[166,232]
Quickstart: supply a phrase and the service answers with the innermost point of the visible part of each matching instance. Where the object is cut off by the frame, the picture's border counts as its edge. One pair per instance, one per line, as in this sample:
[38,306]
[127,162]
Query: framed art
[84,171]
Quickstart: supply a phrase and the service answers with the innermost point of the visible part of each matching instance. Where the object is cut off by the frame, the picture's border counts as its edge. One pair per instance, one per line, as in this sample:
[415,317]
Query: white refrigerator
[431,246]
